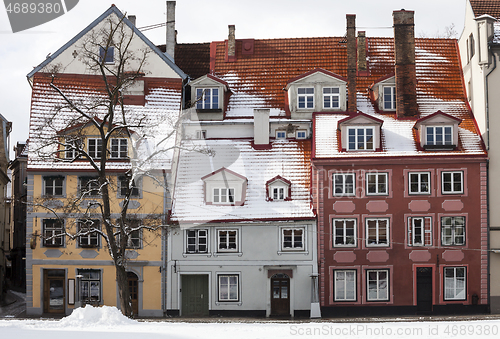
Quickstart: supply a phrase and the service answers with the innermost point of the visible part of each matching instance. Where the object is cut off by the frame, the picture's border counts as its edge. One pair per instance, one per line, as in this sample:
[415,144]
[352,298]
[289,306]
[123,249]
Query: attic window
[439,135]
[278,189]
[207,98]
[305,98]
[389,97]
[108,55]
[331,97]
[360,138]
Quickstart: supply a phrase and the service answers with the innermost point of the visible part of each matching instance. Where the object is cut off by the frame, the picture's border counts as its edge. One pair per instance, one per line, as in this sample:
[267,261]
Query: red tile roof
[193,59]
[490,7]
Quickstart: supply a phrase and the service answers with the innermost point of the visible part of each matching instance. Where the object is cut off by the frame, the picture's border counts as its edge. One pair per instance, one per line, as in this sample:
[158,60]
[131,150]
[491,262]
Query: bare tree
[63,138]
[449,33]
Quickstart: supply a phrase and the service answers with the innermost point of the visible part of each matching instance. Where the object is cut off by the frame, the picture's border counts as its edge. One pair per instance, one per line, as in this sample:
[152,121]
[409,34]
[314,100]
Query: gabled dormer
[208,97]
[384,93]
[315,91]
[438,131]
[360,132]
[224,187]
[278,189]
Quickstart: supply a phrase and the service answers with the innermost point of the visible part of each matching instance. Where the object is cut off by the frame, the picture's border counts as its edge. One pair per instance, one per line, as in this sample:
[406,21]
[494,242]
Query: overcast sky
[205,21]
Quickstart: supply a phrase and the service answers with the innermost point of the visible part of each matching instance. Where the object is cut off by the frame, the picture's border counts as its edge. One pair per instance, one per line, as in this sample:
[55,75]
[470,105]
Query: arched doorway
[133,289]
[280,295]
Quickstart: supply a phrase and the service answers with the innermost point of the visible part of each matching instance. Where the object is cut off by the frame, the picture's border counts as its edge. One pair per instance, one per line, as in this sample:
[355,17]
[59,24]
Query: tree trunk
[123,292]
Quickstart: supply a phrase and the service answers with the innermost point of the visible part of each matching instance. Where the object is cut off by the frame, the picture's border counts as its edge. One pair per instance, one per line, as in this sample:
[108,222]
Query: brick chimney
[132,19]
[404,55]
[362,52]
[171,39]
[261,127]
[231,44]
[351,62]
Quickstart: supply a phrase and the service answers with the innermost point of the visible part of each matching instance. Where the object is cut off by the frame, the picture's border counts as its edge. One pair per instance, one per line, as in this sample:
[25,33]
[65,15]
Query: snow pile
[90,316]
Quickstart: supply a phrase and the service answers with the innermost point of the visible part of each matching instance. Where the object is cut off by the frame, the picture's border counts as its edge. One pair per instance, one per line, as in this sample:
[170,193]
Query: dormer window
[305,98]
[223,195]
[224,187]
[360,132]
[331,97]
[389,98]
[119,148]
[360,138]
[207,98]
[280,134]
[278,189]
[438,131]
[439,135]
[94,148]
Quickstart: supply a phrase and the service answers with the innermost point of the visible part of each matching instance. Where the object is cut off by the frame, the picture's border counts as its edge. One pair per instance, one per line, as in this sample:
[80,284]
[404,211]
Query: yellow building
[68,263]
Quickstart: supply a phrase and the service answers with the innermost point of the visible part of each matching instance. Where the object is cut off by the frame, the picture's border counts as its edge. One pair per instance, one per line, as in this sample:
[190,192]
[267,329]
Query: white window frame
[136,189]
[455,287]
[379,285]
[452,182]
[413,235]
[342,283]
[108,54]
[450,238]
[92,190]
[89,282]
[223,195]
[419,182]
[392,94]
[377,177]
[298,134]
[344,235]
[91,239]
[202,94]
[378,241]
[94,148]
[116,148]
[343,184]
[331,96]
[294,234]
[281,135]
[305,96]
[71,152]
[435,134]
[201,134]
[198,245]
[53,186]
[224,283]
[365,143]
[53,228]
[224,234]
[278,193]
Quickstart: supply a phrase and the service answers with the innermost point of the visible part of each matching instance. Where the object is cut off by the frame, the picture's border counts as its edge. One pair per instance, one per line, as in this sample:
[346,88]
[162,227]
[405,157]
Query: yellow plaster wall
[151,292]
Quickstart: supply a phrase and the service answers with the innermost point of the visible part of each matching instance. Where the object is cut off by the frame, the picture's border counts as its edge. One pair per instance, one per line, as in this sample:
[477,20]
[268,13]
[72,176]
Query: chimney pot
[261,126]
[171,33]
[132,19]
[231,44]
[362,67]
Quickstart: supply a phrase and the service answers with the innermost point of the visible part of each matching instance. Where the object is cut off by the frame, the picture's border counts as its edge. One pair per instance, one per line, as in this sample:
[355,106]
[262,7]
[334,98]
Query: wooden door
[194,295]
[53,291]
[424,289]
[133,288]
[280,295]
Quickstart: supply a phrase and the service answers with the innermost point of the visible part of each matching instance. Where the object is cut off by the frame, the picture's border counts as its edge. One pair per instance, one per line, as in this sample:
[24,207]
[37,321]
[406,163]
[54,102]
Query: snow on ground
[109,323]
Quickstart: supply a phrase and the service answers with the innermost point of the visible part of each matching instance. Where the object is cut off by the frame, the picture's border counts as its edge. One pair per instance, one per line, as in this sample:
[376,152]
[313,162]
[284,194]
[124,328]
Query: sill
[225,254]
[347,247]
[209,110]
[419,193]
[206,254]
[89,246]
[52,246]
[293,252]
[440,147]
[228,302]
[377,194]
[452,193]
[368,246]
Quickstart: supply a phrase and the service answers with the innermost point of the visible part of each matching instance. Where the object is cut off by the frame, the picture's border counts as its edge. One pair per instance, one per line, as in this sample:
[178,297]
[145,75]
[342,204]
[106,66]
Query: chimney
[261,126]
[231,44]
[362,52]
[351,62]
[404,55]
[171,38]
[132,19]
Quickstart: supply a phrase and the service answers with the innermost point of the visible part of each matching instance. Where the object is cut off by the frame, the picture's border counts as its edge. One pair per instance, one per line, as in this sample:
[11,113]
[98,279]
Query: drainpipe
[487,100]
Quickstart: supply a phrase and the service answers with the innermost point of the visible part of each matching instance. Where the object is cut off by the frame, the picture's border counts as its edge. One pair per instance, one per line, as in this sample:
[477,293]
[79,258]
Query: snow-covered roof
[288,158]
[50,114]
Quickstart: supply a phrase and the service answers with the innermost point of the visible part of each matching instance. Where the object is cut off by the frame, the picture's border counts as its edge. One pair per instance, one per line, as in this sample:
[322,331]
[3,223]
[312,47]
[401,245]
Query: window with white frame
[119,148]
[88,233]
[455,283]
[107,54]
[305,97]
[71,148]
[360,138]
[223,195]
[90,286]
[53,186]
[279,193]
[292,239]
[201,134]
[377,232]
[197,241]
[343,184]
[439,135]
[344,232]
[280,134]
[228,287]
[331,97]
[376,183]
[345,285]
[452,182]
[389,97]
[453,231]
[377,282]
[420,183]
[124,182]
[207,98]
[53,233]
[420,231]
[89,186]
[94,148]
[134,233]
[301,134]
[227,240]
